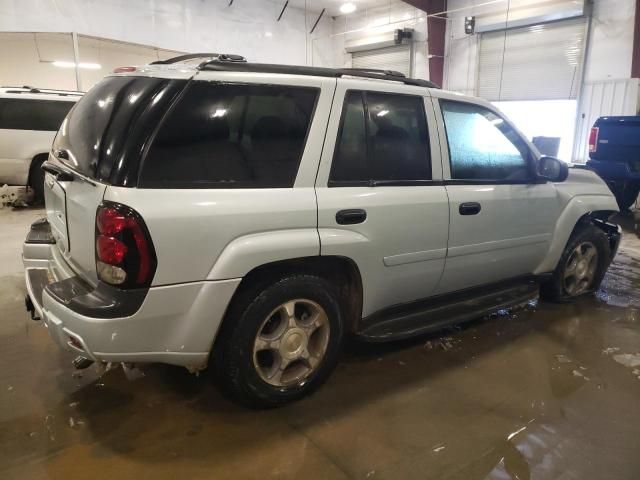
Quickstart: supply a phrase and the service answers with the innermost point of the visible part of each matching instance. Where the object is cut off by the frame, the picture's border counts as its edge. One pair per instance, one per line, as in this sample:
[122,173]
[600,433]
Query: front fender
[577,207]
[245,253]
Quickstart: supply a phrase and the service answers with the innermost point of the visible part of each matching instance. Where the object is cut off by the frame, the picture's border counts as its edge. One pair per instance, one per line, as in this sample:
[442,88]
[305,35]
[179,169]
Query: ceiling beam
[436,31]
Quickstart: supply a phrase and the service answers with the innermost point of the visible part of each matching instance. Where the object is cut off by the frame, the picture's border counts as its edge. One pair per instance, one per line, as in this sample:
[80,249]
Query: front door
[381,201]
[501,216]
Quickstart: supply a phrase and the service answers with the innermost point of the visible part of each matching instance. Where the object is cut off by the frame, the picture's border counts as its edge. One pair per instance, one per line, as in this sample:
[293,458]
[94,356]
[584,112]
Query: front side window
[231,136]
[383,137]
[29,114]
[482,146]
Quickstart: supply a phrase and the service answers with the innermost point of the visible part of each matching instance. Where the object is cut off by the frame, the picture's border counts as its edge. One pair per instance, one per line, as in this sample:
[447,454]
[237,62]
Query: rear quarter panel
[216,234]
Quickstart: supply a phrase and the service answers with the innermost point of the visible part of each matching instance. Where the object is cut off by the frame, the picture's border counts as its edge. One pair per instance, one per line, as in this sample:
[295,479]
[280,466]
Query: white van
[29,120]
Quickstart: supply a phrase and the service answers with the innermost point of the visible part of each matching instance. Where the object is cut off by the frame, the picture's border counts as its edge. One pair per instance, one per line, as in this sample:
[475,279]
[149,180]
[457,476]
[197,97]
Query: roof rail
[226,66]
[223,57]
[378,71]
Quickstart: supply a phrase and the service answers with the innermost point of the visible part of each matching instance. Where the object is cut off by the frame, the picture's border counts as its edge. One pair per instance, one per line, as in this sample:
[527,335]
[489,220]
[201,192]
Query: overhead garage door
[397,57]
[539,62]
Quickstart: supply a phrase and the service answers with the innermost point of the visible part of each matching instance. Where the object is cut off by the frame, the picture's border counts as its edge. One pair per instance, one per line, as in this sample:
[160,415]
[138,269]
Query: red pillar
[436,30]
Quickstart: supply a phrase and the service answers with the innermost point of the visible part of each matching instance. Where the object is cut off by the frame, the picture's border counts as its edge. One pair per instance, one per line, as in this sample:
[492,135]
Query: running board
[423,316]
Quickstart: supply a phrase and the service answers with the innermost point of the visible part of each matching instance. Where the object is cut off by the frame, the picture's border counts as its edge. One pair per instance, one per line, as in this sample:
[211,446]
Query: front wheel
[581,267]
[279,343]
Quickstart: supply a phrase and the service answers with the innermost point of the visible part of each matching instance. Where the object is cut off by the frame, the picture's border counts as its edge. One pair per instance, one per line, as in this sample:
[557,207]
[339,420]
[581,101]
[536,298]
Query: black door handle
[469,208]
[351,216]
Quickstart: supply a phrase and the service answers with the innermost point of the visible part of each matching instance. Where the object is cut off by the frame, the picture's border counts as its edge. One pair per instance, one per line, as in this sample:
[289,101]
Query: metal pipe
[76,58]
[286,4]
[317,21]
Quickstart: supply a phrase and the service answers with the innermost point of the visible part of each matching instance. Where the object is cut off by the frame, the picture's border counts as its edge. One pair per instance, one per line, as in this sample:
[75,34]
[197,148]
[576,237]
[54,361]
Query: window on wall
[482,146]
[383,137]
[231,136]
[544,118]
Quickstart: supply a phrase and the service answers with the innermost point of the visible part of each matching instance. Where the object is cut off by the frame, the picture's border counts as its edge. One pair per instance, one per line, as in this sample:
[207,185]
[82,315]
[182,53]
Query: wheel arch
[342,272]
[35,158]
[581,210]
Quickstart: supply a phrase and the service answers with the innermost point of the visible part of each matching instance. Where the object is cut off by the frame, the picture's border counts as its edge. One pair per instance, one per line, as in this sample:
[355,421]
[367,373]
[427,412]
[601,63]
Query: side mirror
[552,169]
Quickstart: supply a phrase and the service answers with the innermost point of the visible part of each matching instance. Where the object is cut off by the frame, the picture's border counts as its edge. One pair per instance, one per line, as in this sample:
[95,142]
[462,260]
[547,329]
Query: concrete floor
[548,392]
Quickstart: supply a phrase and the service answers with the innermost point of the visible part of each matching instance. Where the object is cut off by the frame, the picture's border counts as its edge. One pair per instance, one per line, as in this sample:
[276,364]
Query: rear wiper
[59,173]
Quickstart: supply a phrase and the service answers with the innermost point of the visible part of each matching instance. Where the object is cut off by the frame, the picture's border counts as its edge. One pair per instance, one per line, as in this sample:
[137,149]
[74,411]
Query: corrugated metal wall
[598,99]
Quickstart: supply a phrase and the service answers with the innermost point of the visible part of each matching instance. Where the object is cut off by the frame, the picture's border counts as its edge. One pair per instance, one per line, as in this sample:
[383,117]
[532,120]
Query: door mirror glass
[552,169]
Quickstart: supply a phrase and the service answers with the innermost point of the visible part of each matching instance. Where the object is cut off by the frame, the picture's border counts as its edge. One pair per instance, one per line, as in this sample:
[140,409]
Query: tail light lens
[125,256]
[593,139]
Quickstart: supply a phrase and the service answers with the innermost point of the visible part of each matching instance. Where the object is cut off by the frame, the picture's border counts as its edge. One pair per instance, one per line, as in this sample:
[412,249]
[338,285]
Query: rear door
[501,216]
[381,201]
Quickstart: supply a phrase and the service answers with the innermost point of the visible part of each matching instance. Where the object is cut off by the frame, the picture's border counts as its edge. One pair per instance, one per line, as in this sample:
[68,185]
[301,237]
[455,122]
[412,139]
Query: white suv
[251,216]
[29,120]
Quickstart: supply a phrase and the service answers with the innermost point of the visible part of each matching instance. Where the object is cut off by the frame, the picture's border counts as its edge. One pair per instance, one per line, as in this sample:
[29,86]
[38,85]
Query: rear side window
[383,137]
[482,146]
[105,131]
[231,136]
[29,114]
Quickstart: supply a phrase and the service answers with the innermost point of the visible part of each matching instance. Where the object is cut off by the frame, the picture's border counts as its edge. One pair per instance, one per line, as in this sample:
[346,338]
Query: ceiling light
[90,66]
[268,34]
[347,8]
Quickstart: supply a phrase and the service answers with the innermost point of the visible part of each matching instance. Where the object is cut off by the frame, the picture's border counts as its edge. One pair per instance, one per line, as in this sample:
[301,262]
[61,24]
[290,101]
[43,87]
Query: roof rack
[223,65]
[223,57]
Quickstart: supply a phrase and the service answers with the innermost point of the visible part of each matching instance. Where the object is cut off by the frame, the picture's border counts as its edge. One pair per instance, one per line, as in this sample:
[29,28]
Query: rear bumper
[173,324]
[609,170]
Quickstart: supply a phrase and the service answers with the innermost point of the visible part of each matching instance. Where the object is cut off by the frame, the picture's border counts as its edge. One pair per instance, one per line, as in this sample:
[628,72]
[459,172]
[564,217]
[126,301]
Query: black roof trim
[223,65]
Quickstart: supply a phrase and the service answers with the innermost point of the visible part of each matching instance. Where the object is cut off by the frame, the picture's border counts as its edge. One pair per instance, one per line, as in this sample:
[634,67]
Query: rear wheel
[36,178]
[279,343]
[581,267]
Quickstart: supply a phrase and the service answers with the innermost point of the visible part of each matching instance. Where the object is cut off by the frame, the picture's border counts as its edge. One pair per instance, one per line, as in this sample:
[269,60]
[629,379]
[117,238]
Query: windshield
[104,132]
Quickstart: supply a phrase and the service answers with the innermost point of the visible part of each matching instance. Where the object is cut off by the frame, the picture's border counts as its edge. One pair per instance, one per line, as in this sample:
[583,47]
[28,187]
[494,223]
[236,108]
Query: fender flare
[247,252]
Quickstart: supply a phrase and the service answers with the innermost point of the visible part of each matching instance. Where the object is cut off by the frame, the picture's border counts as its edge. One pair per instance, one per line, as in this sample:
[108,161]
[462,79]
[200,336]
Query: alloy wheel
[291,342]
[580,269]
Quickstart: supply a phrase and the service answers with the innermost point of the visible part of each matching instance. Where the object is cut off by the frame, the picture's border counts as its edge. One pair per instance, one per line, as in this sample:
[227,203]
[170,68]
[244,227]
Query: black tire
[627,195]
[554,289]
[232,358]
[36,179]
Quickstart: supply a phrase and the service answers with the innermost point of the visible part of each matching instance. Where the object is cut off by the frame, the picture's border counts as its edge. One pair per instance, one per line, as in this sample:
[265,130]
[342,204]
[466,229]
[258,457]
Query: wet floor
[546,392]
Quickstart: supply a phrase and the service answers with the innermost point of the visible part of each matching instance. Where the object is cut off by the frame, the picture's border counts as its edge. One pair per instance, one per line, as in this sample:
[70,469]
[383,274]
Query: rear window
[104,133]
[231,136]
[29,114]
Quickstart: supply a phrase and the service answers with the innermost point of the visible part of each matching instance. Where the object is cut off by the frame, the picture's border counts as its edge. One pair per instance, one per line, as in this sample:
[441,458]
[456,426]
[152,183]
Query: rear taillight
[593,139]
[124,252]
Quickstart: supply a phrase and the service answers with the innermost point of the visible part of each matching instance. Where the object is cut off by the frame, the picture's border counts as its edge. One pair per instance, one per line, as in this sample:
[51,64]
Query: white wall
[374,22]
[248,27]
[611,47]
[609,50]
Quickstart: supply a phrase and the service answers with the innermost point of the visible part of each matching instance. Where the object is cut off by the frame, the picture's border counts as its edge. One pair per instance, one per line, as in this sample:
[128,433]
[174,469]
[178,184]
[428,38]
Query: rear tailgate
[618,140]
[71,211]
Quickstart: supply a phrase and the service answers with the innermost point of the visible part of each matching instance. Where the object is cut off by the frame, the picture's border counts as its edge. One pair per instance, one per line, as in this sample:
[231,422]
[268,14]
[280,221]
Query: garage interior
[542,391]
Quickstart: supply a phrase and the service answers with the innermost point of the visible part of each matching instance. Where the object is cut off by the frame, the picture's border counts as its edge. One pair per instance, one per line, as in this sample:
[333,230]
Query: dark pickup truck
[614,153]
